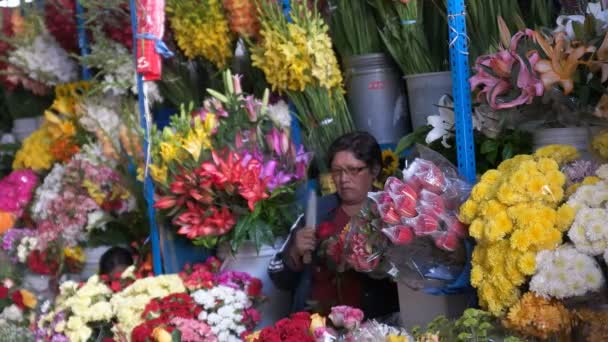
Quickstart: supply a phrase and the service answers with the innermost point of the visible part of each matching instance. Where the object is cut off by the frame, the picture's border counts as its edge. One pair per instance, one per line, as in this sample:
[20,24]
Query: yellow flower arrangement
[600,144]
[562,154]
[297,54]
[201,30]
[539,317]
[181,145]
[36,151]
[513,214]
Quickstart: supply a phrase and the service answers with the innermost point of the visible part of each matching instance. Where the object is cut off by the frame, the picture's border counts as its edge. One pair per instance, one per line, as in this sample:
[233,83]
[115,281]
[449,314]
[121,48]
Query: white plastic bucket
[579,137]
[418,308]
[91,264]
[248,260]
[423,93]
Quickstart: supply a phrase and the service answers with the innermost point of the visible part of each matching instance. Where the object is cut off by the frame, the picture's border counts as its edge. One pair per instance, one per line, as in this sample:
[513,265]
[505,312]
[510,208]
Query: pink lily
[273,139]
[250,105]
[498,83]
[236,81]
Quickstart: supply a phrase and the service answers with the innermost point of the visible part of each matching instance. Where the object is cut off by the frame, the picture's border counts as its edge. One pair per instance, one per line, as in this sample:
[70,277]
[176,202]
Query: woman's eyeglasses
[349,171]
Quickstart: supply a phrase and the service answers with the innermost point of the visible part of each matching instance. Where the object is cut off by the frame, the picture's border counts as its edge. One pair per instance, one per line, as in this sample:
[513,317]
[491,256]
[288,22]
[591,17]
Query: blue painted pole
[83,42]
[459,61]
[148,184]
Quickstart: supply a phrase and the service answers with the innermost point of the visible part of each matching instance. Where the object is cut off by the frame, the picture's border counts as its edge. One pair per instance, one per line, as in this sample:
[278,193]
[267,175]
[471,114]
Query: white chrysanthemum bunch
[589,232]
[223,311]
[77,307]
[129,304]
[565,272]
[45,61]
[47,192]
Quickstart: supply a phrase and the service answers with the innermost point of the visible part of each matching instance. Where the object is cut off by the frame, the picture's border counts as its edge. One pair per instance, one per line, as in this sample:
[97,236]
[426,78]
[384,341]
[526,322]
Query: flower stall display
[202,30]
[227,172]
[297,59]
[60,19]
[514,213]
[200,303]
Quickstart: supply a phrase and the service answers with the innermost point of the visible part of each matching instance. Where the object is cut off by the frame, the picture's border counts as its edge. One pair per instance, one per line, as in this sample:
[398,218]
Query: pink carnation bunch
[16,191]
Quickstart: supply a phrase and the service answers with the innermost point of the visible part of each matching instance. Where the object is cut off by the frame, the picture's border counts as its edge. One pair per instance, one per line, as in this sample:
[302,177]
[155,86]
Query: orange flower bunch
[63,149]
[539,317]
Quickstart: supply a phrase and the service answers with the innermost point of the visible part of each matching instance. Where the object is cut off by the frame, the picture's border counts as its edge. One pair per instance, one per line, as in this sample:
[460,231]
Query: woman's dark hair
[362,144]
[113,257]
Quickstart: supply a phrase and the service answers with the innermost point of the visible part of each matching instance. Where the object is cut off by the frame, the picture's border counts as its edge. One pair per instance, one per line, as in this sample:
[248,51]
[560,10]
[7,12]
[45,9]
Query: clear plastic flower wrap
[364,244]
[418,214]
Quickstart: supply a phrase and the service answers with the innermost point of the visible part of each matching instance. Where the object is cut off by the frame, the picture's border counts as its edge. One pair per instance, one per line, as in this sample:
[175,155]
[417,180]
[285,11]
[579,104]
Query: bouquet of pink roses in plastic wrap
[410,229]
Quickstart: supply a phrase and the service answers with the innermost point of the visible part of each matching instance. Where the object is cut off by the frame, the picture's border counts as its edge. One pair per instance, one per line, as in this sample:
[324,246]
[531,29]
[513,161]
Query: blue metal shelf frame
[461,91]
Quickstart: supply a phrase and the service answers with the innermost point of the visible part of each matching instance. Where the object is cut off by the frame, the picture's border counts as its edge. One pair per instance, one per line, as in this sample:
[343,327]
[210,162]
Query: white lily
[565,22]
[443,124]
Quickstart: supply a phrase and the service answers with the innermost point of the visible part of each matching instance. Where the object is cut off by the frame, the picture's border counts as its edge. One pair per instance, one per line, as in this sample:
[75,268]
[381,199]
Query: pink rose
[347,317]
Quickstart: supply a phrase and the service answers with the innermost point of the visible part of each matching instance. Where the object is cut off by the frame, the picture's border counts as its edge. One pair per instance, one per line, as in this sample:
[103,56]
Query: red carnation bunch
[160,312]
[294,329]
[201,275]
[41,262]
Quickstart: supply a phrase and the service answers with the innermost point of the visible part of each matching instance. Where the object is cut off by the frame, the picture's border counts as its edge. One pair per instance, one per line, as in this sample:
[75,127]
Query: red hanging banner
[150,31]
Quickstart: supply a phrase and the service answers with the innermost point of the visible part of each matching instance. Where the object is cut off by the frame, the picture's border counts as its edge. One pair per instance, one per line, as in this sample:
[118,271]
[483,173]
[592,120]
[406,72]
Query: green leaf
[411,139]
[488,146]
[176,335]
[492,156]
[507,151]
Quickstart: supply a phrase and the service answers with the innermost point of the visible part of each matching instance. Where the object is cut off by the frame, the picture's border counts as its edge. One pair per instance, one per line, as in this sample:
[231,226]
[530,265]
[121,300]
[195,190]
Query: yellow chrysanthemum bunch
[600,144]
[297,54]
[201,30]
[562,154]
[513,214]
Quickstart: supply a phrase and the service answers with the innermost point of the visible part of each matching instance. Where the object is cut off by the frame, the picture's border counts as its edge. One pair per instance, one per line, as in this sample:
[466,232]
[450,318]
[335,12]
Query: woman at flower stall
[355,160]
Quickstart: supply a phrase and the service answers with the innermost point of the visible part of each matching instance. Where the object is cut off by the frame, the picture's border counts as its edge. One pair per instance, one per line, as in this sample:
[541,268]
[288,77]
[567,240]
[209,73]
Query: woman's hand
[305,241]
[303,244]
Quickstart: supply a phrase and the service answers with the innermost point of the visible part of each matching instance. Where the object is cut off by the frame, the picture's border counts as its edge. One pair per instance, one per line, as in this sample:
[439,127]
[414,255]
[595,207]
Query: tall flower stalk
[354,30]
[297,59]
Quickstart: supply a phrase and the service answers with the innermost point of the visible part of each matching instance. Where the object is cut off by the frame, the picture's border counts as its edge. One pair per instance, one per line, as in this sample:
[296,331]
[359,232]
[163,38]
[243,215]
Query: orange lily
[563,62]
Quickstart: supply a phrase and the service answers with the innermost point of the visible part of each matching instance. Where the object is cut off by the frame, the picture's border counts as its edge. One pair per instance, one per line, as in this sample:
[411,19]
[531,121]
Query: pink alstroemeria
[497,81]
[273,178]
[303,158]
